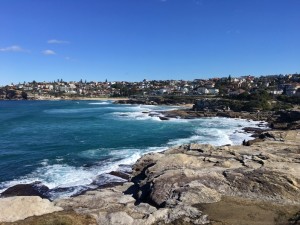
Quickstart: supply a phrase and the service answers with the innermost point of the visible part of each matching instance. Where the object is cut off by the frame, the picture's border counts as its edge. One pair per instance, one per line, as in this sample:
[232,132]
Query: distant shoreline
[67,99]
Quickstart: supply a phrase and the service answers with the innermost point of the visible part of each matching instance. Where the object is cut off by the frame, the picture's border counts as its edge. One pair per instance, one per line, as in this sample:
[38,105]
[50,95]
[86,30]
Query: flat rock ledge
[204,184]
[20,207]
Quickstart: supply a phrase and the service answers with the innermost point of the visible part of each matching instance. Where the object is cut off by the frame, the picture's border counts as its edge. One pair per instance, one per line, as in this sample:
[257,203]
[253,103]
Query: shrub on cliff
[289,99]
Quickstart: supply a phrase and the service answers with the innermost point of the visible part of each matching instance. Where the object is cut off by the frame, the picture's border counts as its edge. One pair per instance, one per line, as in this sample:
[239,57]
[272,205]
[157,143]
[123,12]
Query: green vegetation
[289,99]
[57,218]
[261,100]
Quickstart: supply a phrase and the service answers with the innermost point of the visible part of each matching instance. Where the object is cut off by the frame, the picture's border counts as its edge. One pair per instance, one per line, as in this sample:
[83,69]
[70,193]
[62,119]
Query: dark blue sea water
[70,143]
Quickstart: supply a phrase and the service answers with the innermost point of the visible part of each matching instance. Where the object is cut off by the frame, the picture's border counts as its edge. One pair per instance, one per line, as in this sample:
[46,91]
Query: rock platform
[202,184]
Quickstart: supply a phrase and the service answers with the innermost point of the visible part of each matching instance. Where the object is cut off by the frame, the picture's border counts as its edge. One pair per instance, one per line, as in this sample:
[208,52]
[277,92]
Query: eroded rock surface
[168,187]
[21,207]
[190,184]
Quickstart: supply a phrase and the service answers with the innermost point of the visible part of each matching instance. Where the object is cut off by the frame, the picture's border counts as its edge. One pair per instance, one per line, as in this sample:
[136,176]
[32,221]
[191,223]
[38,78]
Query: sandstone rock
[184,212]
[211,159]
[201,147]
[198,193]
[125,199]
[119,218]
[263,184]
[145,208]
[114,218]
[179,179]
[225,164]
[21,207]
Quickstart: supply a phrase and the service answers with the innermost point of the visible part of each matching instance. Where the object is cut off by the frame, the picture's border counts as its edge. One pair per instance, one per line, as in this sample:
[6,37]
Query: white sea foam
[101,103]
[181,141]
[65,176]
[71,111]
[216,131]
[144,112]
[137,115]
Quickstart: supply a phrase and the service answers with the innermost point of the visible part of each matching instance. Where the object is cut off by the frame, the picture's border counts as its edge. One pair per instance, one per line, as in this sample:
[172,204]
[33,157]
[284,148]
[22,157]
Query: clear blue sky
[45,40]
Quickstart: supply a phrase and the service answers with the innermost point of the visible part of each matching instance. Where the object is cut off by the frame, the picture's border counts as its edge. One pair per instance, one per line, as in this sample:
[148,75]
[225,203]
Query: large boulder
[33,189]
[21,207]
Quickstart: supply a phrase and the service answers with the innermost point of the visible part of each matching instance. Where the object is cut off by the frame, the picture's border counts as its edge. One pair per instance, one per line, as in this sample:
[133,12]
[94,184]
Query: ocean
[67,145]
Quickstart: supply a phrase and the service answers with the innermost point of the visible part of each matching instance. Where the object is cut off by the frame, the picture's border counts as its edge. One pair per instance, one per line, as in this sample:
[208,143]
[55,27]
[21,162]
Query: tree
[24,95]
[229,79]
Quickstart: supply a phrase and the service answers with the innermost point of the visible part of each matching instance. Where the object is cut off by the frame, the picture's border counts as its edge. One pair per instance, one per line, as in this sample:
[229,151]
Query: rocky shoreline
[254,183]
[279,119]
[192,184]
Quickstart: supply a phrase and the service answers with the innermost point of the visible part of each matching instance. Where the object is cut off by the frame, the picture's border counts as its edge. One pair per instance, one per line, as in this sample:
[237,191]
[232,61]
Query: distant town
[288,85]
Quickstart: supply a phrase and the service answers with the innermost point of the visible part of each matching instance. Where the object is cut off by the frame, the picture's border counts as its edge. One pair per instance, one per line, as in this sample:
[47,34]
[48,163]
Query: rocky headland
[257,182]
[218,107]
[188,184]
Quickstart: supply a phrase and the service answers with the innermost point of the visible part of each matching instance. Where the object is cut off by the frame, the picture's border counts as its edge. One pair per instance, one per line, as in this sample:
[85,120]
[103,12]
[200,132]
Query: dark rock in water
[120,174]
[261,125]
[266,135]
[153,114]
[163,118]
[33,189]
[110,185]
[251,142]
[107,179]
[253,130]
[67,191]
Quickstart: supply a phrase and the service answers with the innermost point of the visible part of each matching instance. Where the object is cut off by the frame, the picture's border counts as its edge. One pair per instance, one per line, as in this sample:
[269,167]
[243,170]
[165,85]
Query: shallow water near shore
[66,144]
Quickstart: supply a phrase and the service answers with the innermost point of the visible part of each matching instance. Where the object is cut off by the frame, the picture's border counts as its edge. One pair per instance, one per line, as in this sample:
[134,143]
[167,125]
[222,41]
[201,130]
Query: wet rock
[120,174]
[163,118]
[168,187]
[253,130]
[108,180]
[67,191]
[125,168]
[33,189]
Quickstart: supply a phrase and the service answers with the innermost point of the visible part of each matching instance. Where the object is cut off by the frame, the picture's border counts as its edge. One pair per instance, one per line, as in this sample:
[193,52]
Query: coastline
[43,98]
[40,189]
[122,198]
[197,184]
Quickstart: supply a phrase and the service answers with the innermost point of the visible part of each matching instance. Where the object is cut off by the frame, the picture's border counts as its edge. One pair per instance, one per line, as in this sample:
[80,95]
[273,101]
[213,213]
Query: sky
[132,40]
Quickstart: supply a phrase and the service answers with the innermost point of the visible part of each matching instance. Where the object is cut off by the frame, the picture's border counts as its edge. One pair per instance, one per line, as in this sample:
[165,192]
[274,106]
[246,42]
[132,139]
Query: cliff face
[202,184]
[195,173]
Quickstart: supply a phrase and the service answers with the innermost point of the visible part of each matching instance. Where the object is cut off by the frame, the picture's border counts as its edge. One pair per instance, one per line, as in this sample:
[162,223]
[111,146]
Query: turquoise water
[70,143]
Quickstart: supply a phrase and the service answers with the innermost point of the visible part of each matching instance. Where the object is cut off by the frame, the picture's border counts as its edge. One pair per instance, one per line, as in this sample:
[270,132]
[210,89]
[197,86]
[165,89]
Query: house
[202,90]
[276,92]
[213,91]
[291,89]
[237,92]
